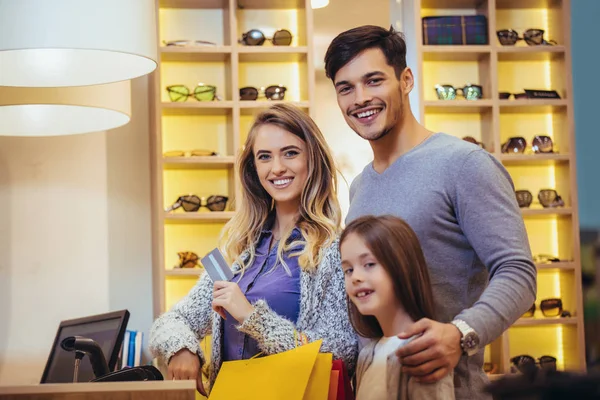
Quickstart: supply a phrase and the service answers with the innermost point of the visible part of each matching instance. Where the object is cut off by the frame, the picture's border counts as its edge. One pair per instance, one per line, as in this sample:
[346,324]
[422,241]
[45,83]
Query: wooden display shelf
[546,212]
[192,107]
[534,159]
[545,321]
[456,53]
[273,54]
[193,4]
[457,106]
[197,162]
[271,4]
[556,266]
[198,217]
[195,53]
[532,106]
[529,53]
[184,272]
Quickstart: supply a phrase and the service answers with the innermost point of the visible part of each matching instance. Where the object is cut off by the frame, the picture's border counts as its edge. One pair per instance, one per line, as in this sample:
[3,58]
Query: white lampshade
[55,43]
[64,111]
[319,3]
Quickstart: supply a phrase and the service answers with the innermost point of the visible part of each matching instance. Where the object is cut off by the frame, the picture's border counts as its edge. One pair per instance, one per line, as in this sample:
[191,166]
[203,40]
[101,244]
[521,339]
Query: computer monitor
[106,329]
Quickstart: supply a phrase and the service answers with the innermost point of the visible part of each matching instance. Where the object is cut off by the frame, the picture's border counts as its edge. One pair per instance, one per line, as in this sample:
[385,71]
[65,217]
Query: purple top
[262,281]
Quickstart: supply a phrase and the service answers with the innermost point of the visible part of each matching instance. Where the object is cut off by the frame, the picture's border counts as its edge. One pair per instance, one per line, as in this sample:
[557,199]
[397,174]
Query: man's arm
[492,222]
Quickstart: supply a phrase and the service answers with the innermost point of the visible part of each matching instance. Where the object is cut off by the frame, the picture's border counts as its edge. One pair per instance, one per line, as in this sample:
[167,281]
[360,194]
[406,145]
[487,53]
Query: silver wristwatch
[469,341]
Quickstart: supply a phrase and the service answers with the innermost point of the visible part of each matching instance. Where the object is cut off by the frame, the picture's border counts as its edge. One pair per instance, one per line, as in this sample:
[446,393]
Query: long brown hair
[397,249]
[320,214]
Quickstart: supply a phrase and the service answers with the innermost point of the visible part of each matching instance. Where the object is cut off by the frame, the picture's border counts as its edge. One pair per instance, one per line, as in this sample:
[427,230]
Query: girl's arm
[276,334]
[189,321]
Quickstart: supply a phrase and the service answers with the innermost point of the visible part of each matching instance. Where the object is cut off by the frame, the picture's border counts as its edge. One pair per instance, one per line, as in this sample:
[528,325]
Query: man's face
[369,94]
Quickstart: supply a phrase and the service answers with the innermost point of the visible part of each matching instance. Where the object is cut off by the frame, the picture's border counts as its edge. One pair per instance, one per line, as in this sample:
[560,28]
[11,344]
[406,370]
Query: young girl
[387,283]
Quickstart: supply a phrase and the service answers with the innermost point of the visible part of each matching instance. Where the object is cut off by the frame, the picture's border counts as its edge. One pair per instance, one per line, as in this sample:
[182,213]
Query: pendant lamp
[319,3]
[58,43]
[65,110]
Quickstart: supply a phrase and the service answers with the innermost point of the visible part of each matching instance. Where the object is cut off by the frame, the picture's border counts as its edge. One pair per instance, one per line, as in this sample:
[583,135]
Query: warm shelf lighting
[75,42]
[64,111]
[319,3]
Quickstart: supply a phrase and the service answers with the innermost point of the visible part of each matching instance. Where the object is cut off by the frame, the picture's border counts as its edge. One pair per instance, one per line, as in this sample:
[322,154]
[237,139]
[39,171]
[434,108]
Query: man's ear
[407,81]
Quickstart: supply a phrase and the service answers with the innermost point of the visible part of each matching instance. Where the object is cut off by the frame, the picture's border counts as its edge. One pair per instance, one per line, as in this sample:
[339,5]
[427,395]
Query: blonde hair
[319,215]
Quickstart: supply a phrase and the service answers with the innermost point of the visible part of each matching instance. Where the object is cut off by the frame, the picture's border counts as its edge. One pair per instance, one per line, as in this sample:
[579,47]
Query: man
[456,196]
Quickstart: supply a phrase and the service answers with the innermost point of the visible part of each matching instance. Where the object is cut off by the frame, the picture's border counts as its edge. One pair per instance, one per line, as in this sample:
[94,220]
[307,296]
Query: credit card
[215,265]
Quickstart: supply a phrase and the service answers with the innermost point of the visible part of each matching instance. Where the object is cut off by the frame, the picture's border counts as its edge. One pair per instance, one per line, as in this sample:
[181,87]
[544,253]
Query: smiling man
[456,196]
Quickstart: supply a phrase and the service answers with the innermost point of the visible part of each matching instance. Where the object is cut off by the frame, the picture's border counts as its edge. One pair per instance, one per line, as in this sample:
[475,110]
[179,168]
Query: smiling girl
[387,283]
[283,245]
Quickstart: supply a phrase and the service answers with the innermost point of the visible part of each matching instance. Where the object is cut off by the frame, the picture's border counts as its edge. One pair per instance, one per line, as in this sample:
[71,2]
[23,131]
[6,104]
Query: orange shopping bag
[298,374]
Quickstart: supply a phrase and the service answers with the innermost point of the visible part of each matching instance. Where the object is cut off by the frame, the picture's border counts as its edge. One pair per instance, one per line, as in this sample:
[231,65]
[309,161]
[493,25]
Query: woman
[288,283]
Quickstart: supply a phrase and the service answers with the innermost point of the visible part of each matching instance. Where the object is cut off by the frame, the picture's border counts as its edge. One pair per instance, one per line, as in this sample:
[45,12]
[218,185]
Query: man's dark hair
[347,45]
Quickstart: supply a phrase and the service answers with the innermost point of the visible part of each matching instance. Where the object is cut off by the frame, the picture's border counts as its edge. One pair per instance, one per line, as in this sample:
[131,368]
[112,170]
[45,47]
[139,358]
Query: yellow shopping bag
[299,374]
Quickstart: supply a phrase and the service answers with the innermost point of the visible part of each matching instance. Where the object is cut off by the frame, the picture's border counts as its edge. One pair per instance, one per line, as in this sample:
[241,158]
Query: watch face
[471,341]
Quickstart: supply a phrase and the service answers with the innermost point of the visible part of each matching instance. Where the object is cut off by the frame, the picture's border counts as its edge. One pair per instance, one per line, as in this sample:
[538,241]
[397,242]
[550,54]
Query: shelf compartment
[530,53]
[269,16]
[197,108]
[527,125]
[451,4]
[457,106]
[200,182]
[457,73]
[206,20]
[273,54]
[546,212]
[456,53]
[195,162]
[195,54]
[195,132]
[477,124]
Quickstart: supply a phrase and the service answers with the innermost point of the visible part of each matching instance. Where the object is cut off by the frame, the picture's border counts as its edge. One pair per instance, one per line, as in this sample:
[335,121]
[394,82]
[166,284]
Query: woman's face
[281,163]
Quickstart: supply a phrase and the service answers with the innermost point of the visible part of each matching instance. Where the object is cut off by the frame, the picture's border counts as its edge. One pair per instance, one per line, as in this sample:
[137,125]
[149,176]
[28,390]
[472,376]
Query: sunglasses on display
[255,37]
[192,203]
[518,144]
[507,95]
[178,93]
[187,259]
[526,364]
[270,92]
[533,37]
[490,368]
[190,153]
[449,92]
[189,43]
[471,139]
[549,307]
[548,198]
[545,259]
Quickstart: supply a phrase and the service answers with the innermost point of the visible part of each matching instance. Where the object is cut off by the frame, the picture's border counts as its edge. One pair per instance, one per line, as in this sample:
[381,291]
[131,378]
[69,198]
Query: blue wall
[585,22]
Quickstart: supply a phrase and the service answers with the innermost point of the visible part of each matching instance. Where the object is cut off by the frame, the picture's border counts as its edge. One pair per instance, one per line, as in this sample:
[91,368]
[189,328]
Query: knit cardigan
[323,315]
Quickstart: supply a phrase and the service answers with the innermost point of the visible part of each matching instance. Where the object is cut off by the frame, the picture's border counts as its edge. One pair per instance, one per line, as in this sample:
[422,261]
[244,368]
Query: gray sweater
[461,203]
[323,315]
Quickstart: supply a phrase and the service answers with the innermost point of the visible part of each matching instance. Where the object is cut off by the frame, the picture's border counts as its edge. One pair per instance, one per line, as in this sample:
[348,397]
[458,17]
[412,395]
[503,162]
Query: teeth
[363,294]
[367,113]
[280,182]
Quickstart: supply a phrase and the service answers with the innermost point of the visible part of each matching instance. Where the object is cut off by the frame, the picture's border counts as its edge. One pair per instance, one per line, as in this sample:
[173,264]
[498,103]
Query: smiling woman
[283,245]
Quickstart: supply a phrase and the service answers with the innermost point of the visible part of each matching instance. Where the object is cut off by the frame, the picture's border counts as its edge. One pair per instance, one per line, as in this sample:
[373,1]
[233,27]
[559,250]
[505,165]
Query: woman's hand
[186,365]
[228,296]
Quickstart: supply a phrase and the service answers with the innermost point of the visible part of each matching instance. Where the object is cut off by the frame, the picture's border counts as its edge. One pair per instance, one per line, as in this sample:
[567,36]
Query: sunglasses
[549,308]
[471,139]
[449,92]
[189,43]
[548,198]
[187,259]
[191,153]
[271,92]
[526,364]
[191,203]
[533,37]
[254,37]
[490,368]
[518,144]
[545,259]
[201,92]
[530,94]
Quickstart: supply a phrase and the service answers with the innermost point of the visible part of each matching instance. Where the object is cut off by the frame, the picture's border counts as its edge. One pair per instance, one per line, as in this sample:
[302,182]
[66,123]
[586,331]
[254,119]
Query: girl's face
[368,284]
[281,163]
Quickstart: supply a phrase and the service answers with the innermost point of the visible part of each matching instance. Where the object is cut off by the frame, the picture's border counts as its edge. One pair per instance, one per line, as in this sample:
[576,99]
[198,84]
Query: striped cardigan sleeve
[189,321]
